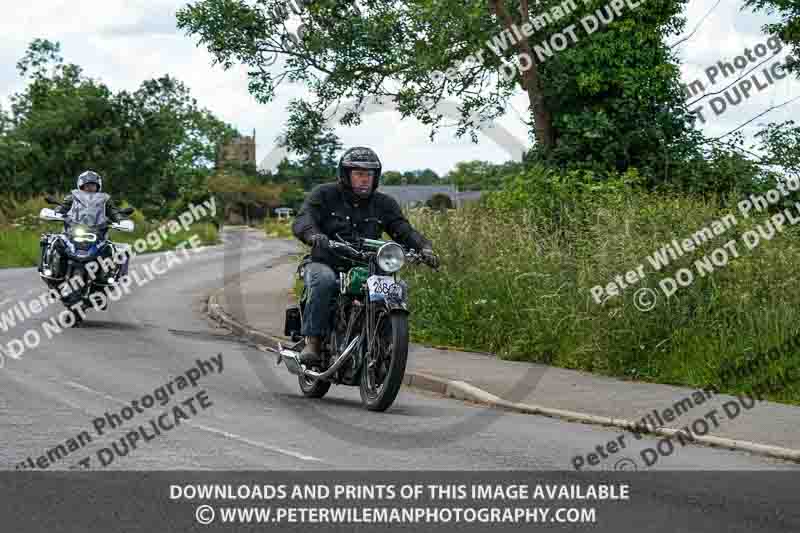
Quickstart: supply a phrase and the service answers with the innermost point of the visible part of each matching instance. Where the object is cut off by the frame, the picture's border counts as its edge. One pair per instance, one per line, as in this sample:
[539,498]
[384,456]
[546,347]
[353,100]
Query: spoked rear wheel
[383,371]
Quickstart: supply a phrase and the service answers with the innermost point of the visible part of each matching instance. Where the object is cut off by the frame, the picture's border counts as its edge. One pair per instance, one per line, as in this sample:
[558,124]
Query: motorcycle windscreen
[88,209]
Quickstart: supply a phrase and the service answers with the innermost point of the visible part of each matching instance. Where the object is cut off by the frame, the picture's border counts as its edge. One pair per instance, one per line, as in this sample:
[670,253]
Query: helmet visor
[367,165]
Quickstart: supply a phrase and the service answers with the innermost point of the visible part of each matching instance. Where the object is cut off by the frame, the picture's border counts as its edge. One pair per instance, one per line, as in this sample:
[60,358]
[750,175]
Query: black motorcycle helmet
[359,158]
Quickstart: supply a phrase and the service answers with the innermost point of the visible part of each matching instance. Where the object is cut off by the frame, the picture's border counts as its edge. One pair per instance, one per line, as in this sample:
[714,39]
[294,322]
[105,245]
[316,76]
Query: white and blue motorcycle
[70,261]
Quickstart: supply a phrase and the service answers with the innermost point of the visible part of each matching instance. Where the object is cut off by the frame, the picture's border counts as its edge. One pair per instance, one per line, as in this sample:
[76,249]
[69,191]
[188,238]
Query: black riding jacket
[330,210]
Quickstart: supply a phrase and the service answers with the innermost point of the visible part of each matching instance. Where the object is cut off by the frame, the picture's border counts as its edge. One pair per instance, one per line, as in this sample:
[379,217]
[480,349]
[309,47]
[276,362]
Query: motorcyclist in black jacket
[351,208]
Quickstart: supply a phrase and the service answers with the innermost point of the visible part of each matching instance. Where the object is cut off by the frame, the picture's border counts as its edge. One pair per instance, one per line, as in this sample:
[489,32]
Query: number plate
[380,287]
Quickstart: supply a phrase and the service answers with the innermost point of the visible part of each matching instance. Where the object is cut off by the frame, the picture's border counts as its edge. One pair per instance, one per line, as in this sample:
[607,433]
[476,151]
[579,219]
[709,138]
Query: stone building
[241,149]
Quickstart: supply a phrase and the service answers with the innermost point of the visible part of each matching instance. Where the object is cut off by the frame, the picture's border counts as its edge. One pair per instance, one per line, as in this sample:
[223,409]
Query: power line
[698,25]
[758,116]
[733,82]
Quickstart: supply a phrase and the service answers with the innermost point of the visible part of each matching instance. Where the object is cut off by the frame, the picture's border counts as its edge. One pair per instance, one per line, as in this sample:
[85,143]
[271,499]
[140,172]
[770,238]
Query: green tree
[440,202]
[392,177]
[426,177]
[780,142]
[788,29]
[611,100]
[155,146]
[411,177]
[315,145]
[172,145]
[61,124]
[480,175]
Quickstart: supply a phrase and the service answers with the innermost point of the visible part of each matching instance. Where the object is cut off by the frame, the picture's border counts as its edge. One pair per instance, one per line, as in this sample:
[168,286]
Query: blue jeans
[322,286]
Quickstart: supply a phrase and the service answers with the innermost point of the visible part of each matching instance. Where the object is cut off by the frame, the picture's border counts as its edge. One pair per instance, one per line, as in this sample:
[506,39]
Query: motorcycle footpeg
[292,362]
[289,357]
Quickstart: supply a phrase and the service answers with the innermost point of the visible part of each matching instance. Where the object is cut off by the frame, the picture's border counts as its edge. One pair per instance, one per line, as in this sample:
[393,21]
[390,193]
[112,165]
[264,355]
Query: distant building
[240,149]
[417,195]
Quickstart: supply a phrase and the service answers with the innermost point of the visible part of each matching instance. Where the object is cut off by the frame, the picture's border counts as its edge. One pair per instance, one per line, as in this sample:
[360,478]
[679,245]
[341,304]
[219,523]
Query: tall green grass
[18,248]
[517,283]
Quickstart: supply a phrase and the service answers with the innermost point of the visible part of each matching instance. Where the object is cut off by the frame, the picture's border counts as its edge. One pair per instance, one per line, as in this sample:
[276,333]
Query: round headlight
[391,257]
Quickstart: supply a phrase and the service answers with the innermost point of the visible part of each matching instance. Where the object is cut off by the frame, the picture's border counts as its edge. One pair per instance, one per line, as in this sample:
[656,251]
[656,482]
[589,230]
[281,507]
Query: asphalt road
[257,419]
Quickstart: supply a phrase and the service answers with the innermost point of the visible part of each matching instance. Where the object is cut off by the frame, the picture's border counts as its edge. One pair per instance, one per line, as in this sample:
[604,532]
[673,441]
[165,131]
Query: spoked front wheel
[385,367]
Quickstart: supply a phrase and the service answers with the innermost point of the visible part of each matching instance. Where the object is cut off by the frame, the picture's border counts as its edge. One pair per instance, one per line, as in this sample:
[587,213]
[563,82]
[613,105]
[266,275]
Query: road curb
[460,390]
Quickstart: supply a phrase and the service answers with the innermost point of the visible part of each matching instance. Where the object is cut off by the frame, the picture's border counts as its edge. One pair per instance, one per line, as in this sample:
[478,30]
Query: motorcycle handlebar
[412,255]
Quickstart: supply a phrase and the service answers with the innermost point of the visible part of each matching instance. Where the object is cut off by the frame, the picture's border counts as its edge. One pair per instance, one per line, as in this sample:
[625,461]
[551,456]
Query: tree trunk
[531,82]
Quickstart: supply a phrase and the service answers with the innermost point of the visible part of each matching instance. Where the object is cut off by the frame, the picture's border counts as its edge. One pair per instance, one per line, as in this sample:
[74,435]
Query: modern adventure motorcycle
[368,343]
[66,258]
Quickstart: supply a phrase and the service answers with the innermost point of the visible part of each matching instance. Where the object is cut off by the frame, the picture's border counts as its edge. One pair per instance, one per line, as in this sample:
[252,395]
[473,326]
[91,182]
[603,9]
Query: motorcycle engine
[347,373]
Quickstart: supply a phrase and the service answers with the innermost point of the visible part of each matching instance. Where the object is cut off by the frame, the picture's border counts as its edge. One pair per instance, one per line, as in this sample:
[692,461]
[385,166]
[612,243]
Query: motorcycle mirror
[49,214]
[127,211]
[50,200]
[125,225]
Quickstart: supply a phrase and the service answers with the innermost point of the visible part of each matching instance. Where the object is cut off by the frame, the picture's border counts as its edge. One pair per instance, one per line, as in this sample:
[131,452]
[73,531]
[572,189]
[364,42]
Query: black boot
[311,354]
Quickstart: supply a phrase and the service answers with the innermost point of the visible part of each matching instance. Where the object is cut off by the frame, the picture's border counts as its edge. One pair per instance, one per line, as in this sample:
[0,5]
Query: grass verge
[517,283]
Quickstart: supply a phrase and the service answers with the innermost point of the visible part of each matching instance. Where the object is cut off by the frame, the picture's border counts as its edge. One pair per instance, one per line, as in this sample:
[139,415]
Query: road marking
[258,444]
[215,431]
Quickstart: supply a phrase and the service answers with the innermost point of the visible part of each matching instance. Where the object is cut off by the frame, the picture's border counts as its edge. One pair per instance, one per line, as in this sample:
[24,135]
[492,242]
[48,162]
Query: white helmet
[90,176]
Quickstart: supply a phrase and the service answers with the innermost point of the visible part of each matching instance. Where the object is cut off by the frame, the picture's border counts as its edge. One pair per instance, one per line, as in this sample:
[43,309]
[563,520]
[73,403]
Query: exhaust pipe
[293,365]
[339,362]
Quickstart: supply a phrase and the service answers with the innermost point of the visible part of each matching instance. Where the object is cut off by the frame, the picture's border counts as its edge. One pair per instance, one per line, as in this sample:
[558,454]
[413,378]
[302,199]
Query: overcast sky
[123,42]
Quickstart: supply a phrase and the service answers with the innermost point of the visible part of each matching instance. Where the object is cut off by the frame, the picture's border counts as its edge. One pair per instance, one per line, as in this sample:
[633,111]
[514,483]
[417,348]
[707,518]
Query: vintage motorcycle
[66,257]
[368,343]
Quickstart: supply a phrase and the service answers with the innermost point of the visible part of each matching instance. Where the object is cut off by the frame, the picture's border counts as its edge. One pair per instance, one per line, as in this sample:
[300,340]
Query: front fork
[397,301]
